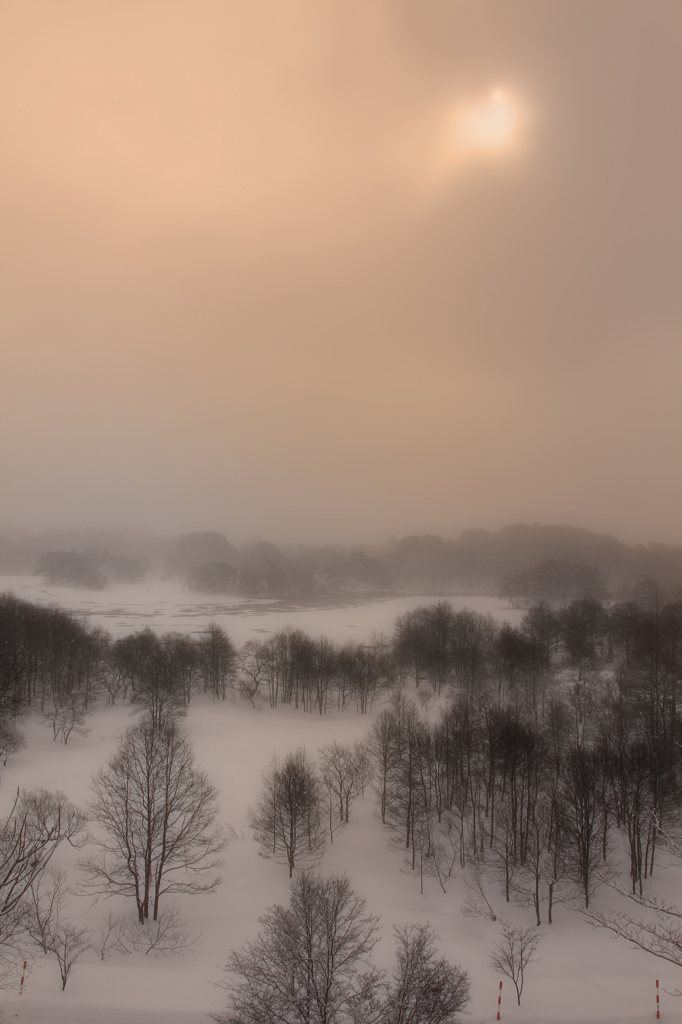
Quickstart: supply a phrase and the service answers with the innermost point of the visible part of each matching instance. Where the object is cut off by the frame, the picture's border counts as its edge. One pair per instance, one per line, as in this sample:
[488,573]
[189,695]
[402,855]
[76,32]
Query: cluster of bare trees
[38,823]
[529,805]
[316,674]
[555,579]
[557,735]
[91,569]
[162,672]
[302,805]
[49,661]
[437,644]
[52,660]
[441,646]
[154,812]
[58,664]
[310,965]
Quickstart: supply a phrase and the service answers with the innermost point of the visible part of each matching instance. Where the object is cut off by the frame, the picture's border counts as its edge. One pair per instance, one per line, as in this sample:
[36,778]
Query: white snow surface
[165,605]
[583,975]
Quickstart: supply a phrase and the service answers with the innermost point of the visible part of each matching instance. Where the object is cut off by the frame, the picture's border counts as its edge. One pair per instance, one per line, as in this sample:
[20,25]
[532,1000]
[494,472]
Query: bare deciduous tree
[158,816]
[217,660]
[167,934]
[44,905]
[38,822]
[425,990]
[308,964]
[46,925]
[122,933]
[108,939]
[476,903]
[11,739]
[69,944]
[659,932]
[157,669]
[288,820]
[345,770]
[65,712]
[514,952]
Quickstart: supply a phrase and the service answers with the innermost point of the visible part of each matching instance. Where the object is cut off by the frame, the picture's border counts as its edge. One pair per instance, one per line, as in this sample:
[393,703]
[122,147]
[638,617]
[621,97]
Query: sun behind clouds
[488,127]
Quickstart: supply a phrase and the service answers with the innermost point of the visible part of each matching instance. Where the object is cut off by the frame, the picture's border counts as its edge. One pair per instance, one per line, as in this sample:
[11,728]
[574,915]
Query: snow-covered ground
[583,975]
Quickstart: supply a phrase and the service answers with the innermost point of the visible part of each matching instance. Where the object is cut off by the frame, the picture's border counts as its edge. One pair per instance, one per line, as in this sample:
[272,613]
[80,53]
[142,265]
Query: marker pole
[499,1001]
[658,1005]
[23,975]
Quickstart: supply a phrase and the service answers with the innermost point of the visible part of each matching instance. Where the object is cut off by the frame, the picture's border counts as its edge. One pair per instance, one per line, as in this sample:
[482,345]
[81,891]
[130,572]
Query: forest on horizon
[523,563]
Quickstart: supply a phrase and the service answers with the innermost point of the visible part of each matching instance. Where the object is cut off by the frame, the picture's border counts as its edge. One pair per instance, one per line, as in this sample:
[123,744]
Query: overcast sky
[341,270]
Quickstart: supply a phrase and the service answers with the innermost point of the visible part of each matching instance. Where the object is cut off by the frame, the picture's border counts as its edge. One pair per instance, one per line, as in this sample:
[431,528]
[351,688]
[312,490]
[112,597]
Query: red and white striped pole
[23,975]
[658,1005]
[499,1002]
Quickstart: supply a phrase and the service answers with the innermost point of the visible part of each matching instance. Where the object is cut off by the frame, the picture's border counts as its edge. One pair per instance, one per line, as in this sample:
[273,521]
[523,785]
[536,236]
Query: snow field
[583,975]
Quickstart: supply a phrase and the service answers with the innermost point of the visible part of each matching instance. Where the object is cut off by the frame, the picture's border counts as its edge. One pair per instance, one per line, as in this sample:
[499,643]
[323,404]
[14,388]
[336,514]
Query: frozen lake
[167,605]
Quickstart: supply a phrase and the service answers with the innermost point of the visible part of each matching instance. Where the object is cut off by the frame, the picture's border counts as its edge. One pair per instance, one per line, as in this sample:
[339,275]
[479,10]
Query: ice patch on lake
[166,605]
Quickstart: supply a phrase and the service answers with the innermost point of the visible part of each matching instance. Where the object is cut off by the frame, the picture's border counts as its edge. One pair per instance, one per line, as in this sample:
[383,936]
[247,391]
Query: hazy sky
[341,269]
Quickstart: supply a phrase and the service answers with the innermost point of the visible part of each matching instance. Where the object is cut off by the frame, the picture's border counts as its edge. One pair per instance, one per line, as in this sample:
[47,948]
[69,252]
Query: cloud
[315,270]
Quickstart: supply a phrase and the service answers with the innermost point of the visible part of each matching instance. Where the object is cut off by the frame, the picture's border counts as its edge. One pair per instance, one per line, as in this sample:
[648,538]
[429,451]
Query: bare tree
[44,905]
[69,944]
[157,814]
[157,672]
[65,711]
[425,990]
[11,739]
[658,932]
[308,964]
[476,903]
[514,952]
[332,822]
[108,938]
[167,934]
[429,854]
[122,933]
[217,660]
[37,824]
[345,770]
[254,665]
[583,809]
[287,820]
[49,929]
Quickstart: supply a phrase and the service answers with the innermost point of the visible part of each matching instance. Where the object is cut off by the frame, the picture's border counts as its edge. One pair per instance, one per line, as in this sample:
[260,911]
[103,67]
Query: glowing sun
[489,126]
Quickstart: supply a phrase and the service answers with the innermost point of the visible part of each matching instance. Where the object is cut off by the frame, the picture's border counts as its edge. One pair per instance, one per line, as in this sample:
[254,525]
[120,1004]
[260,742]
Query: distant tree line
[553,580]
[59,664]
[90,569]
[525,562]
